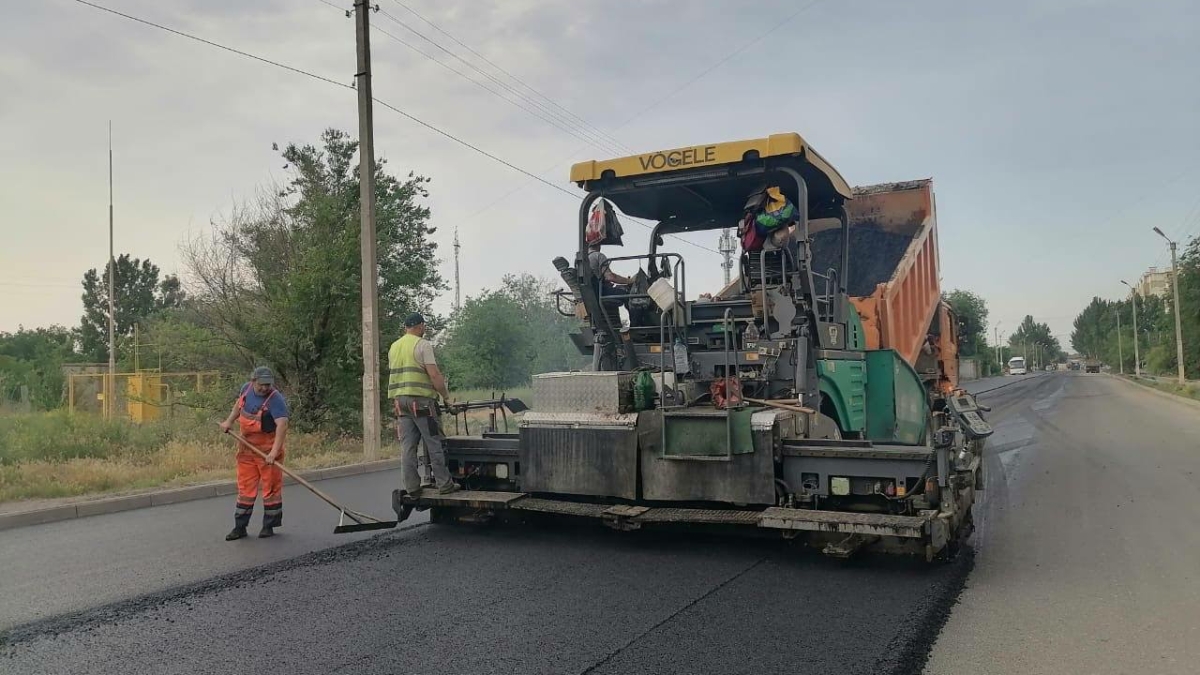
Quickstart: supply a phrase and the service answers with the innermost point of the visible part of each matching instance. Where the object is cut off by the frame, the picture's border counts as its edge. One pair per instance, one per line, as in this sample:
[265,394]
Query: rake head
[362,523]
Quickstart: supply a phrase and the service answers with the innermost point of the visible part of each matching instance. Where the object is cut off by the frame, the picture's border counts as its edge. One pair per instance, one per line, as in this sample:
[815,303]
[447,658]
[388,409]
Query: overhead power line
[511,76]
[548,120]
[521,102]
[333,82]
[214,44]
[660,101]
[327,80]
[592,136]
[574,124]
[728,57]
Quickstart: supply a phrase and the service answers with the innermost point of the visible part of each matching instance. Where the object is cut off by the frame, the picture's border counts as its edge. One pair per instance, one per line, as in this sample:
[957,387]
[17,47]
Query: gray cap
[262,375]
[413,320]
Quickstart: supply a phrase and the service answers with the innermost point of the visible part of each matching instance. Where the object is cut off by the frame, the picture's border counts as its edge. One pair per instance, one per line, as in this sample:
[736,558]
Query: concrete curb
[96,507]
[1158,392]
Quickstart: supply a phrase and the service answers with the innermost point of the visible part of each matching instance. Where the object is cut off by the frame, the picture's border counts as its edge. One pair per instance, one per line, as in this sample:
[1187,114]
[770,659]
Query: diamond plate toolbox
[584,392]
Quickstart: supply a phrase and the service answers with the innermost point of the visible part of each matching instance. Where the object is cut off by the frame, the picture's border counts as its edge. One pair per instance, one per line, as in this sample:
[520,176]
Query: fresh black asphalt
[514,599]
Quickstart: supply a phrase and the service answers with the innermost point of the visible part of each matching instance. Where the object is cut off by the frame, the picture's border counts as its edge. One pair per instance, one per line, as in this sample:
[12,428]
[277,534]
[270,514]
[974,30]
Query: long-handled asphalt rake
[362,522]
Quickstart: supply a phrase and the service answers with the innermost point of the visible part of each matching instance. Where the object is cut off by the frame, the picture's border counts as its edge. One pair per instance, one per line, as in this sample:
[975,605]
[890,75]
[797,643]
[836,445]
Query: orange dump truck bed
[893,273]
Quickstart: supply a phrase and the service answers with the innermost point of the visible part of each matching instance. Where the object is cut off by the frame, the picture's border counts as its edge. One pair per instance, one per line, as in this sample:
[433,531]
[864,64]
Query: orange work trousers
[253,473]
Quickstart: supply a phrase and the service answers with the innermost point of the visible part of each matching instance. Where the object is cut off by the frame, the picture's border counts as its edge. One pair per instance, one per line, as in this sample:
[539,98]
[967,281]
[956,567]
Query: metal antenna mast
[727,248]
[110,391]
[457,279]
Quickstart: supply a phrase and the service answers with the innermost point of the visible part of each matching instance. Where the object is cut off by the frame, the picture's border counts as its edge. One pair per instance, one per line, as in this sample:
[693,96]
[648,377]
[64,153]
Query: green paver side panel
[843,383]
[897,407]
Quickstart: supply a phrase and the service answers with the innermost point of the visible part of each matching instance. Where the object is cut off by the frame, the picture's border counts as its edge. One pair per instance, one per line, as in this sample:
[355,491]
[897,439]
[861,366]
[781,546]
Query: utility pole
[110,391]
[1137,359]
[999,362]
[1175,301]
[1120,349]
[457,280]
[372,430]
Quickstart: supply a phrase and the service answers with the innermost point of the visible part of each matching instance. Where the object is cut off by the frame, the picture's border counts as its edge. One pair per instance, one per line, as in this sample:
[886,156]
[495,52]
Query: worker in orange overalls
[262,416]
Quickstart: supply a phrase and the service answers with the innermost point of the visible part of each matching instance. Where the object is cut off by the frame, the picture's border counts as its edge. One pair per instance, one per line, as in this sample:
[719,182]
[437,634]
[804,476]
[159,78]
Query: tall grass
[47,455]
[56,454]
[1187,390]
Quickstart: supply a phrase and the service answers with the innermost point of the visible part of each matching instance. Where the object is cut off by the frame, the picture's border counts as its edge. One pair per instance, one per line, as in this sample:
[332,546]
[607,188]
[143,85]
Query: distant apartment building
[1154,282]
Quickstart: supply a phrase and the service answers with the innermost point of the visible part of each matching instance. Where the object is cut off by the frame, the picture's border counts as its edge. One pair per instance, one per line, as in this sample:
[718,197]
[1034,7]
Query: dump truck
[815,397]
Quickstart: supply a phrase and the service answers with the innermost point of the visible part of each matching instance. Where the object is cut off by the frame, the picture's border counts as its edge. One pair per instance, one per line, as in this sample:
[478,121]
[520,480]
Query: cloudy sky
[1057,132]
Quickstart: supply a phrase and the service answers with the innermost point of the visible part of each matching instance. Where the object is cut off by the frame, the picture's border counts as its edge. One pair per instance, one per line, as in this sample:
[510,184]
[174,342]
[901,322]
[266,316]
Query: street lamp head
[1126,283]
[1160,233]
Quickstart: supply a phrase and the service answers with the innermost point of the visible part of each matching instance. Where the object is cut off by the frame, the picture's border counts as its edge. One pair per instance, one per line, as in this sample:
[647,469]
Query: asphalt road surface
[1085,563]
[1087,549]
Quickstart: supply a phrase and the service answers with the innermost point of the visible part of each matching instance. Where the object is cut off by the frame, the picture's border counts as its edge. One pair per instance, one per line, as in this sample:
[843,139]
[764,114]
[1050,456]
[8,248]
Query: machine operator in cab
[262,416]
[611,283]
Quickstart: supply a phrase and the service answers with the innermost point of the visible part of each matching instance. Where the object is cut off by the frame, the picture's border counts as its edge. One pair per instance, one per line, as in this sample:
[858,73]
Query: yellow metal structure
[143,396]
[713,155]
[140,397]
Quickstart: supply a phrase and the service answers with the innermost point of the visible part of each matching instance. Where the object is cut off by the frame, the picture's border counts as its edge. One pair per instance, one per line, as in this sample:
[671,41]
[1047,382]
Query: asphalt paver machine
[814,397]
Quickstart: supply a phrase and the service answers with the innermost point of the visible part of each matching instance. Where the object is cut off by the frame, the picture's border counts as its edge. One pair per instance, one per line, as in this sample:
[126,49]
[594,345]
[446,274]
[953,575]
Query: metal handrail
[828,298]
[662,370]
[676,270]
[558,298]
[729,338]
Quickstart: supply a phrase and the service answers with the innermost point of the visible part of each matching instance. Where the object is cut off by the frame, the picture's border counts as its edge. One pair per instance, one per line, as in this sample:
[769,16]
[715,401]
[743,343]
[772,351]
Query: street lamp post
[1175,301]
[1137,359]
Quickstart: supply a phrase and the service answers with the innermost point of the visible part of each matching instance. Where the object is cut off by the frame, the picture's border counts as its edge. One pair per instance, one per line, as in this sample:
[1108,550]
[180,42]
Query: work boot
[403,511]
[236,533]
[447,489]
[265,532]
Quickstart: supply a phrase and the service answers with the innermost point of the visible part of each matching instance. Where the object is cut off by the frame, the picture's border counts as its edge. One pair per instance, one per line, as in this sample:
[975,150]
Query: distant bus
[1016,366]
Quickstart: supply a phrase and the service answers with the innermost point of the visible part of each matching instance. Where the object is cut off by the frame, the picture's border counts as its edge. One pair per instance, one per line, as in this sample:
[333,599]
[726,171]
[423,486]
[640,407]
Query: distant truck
[1091,366]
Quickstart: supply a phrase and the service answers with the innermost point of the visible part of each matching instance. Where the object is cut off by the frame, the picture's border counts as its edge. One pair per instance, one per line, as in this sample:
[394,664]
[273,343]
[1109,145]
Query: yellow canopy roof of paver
[699,156]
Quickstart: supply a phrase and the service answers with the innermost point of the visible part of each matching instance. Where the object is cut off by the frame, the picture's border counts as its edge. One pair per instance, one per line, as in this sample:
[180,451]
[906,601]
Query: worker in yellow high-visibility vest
[414,382]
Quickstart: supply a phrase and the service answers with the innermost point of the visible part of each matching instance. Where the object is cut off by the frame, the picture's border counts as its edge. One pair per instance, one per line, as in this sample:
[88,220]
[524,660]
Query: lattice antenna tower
[727,247]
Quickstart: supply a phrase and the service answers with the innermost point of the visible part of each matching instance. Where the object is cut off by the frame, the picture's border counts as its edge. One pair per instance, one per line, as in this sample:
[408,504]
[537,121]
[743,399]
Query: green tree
[1189,306]
[487,344]
[137,295]
[501,338]
[1092,328]
[1030,333]
[179,341]
[32,360]
[972,314]
[279,282]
